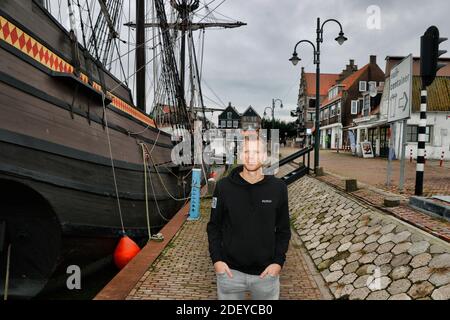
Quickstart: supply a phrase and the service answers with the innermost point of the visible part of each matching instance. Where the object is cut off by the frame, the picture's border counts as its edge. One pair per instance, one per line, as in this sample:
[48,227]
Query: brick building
[351,100]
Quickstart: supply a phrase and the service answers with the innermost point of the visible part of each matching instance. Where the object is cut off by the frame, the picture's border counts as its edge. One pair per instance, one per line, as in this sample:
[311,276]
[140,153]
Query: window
[321,114]
[338,108]
[333,92]
[223,123]
[372,84]
[354,107]
[229,124]
[235,123]
[325,113]
[362,86]
[412,134]
[229,115]
[366,106]
[311,116]
[333,110]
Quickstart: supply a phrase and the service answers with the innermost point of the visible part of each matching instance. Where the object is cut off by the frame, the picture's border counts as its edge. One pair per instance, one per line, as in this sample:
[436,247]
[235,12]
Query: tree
[283,126]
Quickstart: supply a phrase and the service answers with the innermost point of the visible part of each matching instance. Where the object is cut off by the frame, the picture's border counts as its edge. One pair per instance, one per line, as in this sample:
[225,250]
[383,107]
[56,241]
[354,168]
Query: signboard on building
[400,90]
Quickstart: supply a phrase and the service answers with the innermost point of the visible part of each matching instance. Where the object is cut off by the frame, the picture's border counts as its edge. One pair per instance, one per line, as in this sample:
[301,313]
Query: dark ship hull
[58,203]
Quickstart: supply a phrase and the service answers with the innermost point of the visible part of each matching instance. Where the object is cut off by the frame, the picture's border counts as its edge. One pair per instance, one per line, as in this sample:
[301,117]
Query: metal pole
[316,133]
[309,154]
[421,142]
[184,17]
[8,263]
[273,114]
[402,159]
[390,154]
[140,55]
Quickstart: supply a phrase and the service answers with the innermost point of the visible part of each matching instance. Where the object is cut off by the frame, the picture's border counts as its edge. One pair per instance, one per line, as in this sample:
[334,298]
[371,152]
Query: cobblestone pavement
[375,197]
[363,253]
[184,269]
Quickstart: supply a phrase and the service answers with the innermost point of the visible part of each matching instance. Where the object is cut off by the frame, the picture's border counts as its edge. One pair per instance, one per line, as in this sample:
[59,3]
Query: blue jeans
[267,288]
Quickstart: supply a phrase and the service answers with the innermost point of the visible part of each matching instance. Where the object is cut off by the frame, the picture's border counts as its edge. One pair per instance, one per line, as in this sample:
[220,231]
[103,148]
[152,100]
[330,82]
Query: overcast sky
[249,65]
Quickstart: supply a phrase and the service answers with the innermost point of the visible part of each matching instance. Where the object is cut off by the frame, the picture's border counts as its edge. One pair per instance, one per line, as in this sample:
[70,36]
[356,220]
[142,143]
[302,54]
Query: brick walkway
[184,269]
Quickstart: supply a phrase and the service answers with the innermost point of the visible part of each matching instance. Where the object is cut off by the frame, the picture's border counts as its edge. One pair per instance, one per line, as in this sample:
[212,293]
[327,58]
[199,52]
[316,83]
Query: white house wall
[440,140]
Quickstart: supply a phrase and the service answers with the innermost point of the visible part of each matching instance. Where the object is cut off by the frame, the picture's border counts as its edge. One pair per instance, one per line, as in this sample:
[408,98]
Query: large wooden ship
[75,151]
[61,128]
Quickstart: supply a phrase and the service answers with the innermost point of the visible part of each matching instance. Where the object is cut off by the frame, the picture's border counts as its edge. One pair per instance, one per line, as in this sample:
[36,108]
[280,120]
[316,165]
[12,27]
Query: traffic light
[429,55]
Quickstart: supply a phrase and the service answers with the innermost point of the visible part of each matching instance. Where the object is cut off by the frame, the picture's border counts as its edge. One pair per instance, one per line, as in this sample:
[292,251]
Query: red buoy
[126,250]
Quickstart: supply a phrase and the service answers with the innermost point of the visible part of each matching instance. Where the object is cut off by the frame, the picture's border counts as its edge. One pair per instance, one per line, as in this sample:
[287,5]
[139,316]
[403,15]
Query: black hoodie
[249,226]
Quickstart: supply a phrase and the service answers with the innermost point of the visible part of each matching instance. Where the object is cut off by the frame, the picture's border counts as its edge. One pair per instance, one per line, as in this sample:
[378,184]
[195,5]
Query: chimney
[373,59]
[349,69]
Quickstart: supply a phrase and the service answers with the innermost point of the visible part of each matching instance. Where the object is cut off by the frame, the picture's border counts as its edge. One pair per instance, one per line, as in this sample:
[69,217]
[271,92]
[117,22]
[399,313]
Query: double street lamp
[316,49]
[273,110]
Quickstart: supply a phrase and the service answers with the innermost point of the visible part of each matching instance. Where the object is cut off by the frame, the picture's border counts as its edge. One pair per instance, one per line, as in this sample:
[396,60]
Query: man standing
[249,229]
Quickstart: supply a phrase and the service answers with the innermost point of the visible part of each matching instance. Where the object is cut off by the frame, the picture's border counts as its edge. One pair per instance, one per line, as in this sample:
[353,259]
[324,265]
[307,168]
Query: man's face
[253,155]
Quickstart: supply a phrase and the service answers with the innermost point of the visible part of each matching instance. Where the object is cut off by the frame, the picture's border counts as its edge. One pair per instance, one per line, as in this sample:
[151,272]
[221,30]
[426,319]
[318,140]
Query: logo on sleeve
[214,202]
[266,201]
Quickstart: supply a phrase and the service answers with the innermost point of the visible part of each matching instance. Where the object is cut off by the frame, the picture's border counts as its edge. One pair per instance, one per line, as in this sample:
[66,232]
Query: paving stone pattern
[364,253]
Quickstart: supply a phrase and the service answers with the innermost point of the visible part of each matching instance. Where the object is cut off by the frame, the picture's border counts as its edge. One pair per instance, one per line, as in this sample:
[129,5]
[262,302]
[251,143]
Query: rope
[146,191]
[156,201]
[8,262]
[112,163]
[144,148]
[163,184]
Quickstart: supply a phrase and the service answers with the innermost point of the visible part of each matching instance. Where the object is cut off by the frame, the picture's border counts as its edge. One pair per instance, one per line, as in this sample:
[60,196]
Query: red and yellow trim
[26,44]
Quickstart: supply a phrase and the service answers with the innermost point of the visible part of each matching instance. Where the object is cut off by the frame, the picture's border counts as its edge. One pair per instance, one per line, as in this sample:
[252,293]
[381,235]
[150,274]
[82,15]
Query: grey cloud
[249,65]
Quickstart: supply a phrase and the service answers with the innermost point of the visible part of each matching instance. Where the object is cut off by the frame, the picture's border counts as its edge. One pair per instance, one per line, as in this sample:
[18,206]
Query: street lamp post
[272,110]
[295,59]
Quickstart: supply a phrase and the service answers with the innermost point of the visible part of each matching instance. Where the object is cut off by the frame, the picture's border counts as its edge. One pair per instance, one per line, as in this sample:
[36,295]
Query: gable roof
[351,79]
[327,80]
[250,112]
[229,108]
[346,84]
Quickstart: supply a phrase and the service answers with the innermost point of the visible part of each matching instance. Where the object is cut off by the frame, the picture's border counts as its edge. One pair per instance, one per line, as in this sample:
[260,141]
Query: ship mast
[140,54]
[186,10]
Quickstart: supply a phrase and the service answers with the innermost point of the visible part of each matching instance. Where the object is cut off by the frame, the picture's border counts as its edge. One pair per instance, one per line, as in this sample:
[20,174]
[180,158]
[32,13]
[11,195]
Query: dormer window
[333,92]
